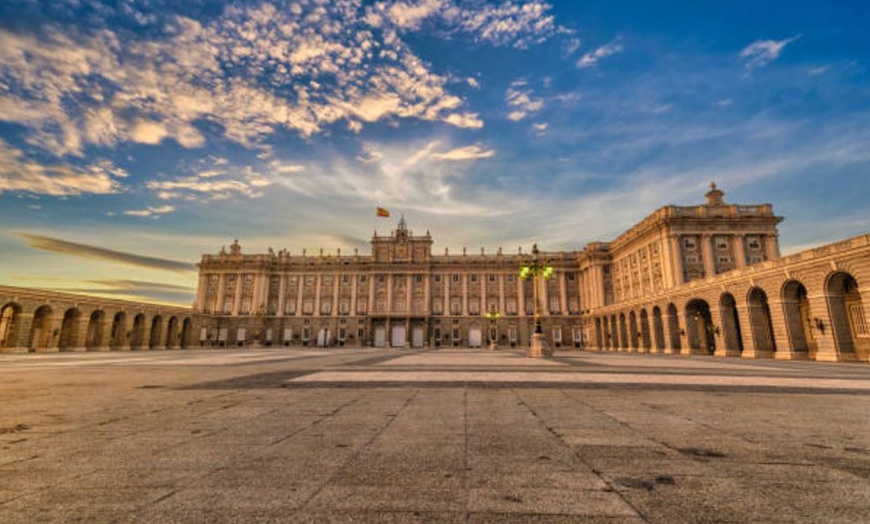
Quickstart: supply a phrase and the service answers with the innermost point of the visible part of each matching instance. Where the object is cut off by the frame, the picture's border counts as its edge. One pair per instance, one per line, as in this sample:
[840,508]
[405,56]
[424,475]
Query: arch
[658,329]
[674,328]
[848,321]
[9,321]
[137,335]
[645,337]
[730,324]
[633,333]
[118,334]
[796,308]
[186,332]
[69,329]
[172,332]
[40,328]
[94,335]
[699,327]
[156,331]
[623,332]
[760,322]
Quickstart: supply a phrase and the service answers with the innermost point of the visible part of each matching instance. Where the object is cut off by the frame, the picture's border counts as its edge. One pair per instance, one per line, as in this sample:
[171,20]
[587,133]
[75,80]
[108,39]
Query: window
[362,279]
[307,307]
[309,280]
[455,307]
[294,280]
[493,279]
[327,280]
[557,335]
[724,260]
[859,324]
[213,278]
[510,279]
[570,276]
[437,308]
[721,243]
[689,243]
[473,307]
[418,278]
[382,279]
[754,243]
[249,279]
[511,306]
[437,279]
[473,279]
[345,279]
[454,278]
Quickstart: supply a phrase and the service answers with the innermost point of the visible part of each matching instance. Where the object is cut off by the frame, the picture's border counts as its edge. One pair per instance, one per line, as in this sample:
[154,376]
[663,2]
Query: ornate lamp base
[538,348]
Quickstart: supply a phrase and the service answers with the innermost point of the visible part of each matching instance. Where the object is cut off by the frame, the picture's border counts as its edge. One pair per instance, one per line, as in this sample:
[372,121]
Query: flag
[381,212]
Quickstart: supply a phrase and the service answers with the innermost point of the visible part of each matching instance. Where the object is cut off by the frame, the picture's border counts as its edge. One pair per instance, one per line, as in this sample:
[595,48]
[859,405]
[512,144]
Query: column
[739,250]
[389,296]
[465,295]
[746,331]
[563,294]
[484,307]
[543,296]
[371,306]
[238,298]
[501,306]
[354,279]
[445,307]
[521,298]
[782,342]
[201,288]
[826,345]
[222,282]
[409,281]
[261,290]
[427,299]
[676,258]
[707,253]
[318,284]
[335,283]
[771,247]
[299,280]
[282,289]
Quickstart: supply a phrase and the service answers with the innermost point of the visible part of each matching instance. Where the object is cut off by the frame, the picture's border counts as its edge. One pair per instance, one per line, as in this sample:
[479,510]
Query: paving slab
[458,435]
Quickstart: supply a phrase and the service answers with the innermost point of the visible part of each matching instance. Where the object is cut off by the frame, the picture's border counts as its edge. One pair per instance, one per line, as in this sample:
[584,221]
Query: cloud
[415,176]
[150,211]
[762,52]
[208,181]
[519,98]
[473,152]
[82,250]
[18,173]
[239,73]
[592,58]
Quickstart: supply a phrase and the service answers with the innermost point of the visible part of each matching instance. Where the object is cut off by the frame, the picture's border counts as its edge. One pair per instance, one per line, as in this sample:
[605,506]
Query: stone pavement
[453,435]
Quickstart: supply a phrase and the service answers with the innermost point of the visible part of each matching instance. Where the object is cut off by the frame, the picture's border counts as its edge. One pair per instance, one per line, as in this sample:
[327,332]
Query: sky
[136,135]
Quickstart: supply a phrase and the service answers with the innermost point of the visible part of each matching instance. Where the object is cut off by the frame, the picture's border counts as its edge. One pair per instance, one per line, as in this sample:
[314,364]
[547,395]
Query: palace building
[404,295]
[691,280]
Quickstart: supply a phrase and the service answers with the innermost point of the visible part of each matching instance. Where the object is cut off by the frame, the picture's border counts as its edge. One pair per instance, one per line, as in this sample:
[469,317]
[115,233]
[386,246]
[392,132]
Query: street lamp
[492,315]
[536,270]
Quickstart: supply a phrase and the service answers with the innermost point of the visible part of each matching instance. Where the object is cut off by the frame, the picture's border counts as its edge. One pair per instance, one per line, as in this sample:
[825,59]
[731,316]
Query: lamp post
[492,315]
[537,270]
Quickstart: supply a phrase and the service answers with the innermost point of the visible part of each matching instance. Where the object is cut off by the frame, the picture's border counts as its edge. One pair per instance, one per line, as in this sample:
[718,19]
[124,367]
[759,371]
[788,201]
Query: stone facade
[38,320]
[634,293]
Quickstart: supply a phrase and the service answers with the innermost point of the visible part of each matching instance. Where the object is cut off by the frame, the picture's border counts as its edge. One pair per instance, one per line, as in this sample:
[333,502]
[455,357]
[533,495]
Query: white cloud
[472,152]
[18,173]
[150,211]
[592,58]
[519,99]
[241,71]
[540,127]
[409,16]
[762,52]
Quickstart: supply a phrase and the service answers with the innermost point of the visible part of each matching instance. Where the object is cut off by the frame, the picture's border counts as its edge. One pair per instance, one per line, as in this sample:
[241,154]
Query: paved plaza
[451,435]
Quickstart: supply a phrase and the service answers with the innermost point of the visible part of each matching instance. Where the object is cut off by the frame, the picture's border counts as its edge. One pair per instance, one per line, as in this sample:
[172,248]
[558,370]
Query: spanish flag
[381,212]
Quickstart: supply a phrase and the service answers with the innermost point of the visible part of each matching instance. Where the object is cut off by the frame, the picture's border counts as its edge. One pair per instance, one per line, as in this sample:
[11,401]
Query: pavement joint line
[575,454]
[358,452]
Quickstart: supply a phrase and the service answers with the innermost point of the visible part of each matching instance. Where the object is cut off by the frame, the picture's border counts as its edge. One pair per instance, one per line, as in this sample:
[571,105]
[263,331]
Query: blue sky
[137,135]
